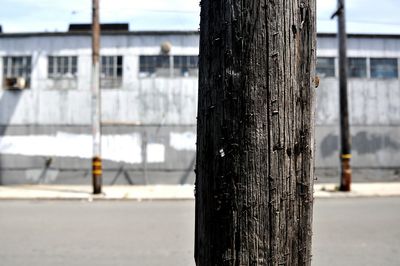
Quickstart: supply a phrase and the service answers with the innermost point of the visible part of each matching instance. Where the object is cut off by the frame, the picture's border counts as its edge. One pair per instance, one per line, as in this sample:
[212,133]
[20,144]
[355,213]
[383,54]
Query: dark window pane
[103,61]
[119,71]
[119,60]
[50,65]
[142,62]
[158,65]
[194,61]
[162,61]
[5,66]
[74,67]
[185,65]
[104,66]
[59,64]
[384,68]
[65,65]
[177,61]
[326,67]
[357,67]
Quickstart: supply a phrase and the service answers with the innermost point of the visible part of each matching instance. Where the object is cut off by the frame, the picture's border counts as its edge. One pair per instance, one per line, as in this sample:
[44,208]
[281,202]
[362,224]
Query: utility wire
[196,12]
[177,11]
[366,22]
[141,10]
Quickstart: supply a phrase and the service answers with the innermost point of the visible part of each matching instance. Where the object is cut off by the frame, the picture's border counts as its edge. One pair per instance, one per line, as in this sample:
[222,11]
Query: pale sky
[363,16]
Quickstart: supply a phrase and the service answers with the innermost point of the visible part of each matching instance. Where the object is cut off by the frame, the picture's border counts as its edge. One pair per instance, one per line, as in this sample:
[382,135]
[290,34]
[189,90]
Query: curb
[171,192]
[137,193]
[358,190]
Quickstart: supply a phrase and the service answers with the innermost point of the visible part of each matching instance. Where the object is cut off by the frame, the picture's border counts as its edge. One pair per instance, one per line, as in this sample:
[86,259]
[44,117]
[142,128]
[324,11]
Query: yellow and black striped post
[345,181]
[96,175]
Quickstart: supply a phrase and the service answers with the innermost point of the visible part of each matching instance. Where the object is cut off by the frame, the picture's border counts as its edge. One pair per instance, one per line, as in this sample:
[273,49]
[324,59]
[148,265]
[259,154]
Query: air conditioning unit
[15,83]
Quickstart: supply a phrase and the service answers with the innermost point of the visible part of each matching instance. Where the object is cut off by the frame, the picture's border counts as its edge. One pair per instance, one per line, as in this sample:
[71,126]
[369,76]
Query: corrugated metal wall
[149,123]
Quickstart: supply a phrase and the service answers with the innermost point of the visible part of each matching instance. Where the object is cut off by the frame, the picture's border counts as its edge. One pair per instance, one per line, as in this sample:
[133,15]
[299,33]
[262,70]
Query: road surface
[346,232]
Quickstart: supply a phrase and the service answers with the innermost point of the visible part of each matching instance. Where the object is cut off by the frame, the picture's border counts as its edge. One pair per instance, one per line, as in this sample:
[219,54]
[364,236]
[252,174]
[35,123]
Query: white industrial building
[149,106]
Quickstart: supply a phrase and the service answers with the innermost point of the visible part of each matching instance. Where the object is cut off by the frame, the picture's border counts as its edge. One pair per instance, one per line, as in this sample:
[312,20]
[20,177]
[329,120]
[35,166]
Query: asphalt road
[346,232]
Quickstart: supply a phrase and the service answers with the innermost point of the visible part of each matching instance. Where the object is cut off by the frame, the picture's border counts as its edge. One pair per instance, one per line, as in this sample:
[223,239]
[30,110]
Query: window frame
[186,64]
[332,68]
[357,69]
[154,62]
[25,68]
[56,62]
[395,71]
[111,71]
[169,66]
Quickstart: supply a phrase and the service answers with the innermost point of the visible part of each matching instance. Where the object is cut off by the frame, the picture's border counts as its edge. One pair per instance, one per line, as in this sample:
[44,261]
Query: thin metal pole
[96,110]
[345,137]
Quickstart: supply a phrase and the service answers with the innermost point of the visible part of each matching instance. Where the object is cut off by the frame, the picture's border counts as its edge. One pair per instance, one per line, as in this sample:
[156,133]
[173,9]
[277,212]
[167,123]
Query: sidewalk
[170,192]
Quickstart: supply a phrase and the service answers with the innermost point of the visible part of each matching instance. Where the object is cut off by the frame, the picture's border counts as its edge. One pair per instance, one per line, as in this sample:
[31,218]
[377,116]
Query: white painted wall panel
[172,100]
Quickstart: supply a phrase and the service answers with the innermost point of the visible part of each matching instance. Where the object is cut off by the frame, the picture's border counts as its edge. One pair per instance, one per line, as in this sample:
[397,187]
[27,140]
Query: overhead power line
[142,10]
[183,11]
[366,22]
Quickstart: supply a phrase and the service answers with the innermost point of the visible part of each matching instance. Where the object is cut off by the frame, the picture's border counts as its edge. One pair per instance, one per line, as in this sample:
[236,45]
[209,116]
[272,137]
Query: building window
[357,67]
[17,71]
[384,68]
[154,66]
[186,65]
[111,71]
[163,66]
[62,67]
[326,67]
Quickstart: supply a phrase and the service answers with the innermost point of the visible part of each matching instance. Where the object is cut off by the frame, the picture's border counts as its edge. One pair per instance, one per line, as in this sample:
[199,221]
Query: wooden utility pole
[345,137]
[96,110]
[255,143]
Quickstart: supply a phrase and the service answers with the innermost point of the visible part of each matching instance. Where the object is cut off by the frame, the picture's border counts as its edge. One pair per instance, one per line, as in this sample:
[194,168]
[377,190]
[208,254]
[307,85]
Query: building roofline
[87,27]
[172,32]
[362,35]
[105,33]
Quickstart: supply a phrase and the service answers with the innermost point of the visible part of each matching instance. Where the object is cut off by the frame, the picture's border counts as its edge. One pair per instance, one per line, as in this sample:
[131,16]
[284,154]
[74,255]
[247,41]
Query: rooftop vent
[119,27]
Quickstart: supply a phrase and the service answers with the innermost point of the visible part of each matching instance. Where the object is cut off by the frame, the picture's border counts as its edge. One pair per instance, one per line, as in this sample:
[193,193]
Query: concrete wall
[149,123]
[375,128]
[374,106]
[143,154]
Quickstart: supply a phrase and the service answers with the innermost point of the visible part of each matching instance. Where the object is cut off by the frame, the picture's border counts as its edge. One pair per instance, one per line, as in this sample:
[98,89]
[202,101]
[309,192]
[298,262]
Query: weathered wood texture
[255,142]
